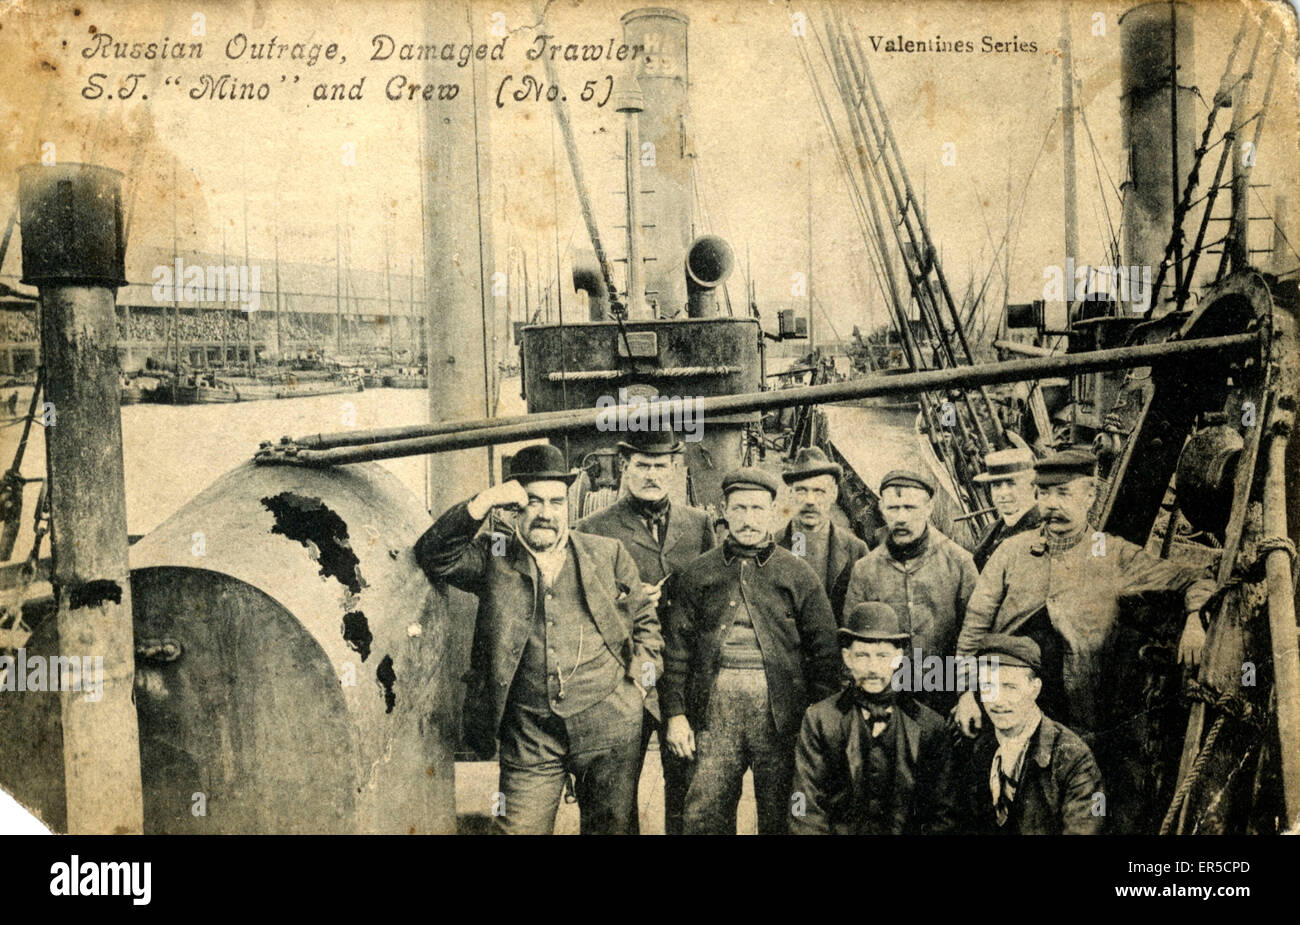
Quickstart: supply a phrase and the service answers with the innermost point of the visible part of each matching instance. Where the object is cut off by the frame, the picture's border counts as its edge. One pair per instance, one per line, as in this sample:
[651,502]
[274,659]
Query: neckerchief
[904,552]
[1059,543]
[1004,783]
[732,548]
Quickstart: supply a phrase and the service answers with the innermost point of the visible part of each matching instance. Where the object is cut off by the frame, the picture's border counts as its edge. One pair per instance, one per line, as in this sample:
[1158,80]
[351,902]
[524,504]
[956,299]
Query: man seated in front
[1030,775]
[871,760]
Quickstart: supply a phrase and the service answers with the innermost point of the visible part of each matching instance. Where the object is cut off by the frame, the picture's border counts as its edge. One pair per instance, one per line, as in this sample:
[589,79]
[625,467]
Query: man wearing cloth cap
[566,643]
[831,551]
[1009,475]
[663,538]
[751,641]
[1078,577]
[871,761]
[1030,774]
[922,574]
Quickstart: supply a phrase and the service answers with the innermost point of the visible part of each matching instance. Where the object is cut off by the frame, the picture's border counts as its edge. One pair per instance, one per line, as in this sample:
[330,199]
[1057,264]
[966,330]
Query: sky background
[754,124]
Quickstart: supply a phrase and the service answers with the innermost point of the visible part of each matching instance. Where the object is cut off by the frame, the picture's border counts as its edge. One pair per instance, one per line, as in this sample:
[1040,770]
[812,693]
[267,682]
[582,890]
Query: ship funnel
[708,264]
[658,38]
[588,278]
[1159,129]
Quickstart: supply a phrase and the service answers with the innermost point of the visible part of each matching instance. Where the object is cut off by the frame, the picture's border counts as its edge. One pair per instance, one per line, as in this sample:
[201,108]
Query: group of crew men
[637,621]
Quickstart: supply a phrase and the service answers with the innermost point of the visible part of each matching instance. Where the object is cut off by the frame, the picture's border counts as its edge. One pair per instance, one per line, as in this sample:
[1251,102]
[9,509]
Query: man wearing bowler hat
[751,641]
[1070,580]
[1009,474]
[871,760]
[1030,775]
[663,538]
[814,485]
[566,647]
[926,577]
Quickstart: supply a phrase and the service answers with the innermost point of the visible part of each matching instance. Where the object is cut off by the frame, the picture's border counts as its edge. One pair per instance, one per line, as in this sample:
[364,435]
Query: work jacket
[1081,588]
[928,593]
[1058,789]
[792,620]
[455,552]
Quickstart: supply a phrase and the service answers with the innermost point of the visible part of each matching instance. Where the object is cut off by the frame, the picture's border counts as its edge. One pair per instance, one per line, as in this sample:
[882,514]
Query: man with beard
[922,574]
[751,640]
[564,637]
[663,538]
[831,551]
[1009,475]
[1030,775]
[1065,583]
[871,761]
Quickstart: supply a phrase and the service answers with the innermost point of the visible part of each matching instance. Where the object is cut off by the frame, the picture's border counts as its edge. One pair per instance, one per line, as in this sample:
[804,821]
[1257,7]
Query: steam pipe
[709,262]
[588,278]
[552,424]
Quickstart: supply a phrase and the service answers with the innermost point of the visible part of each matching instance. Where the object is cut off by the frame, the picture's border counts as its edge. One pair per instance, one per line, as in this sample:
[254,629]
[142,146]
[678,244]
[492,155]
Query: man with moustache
[872,761]
[926,577]
[751,641]
[663,538]
[814,485]
[1009,475]
[1030,775]
[564,637]
[1065,582]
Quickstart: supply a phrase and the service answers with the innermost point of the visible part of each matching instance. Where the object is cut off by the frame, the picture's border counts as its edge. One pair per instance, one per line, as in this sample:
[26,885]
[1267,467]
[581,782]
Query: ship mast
[812,337]
[1067,138]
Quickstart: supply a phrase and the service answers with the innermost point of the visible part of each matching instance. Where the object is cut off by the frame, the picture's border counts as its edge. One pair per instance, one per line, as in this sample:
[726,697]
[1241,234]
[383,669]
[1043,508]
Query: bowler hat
[658,442]
[1012,650]
[1004,464]
[873,621]
[907,478]
[1065,466]
[810,462]
[750,478]
[538,462]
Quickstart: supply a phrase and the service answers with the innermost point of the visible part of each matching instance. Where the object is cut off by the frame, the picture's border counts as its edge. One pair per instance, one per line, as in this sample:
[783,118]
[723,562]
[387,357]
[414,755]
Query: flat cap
[750,478]
[908,478]
[1065,466]
[1012,651]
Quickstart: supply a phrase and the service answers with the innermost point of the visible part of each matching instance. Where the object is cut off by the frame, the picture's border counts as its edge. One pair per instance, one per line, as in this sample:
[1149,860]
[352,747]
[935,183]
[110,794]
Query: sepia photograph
[472,417]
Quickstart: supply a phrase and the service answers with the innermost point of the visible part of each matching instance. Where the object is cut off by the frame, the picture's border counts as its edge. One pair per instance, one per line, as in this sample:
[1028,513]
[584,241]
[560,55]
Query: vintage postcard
[477,416]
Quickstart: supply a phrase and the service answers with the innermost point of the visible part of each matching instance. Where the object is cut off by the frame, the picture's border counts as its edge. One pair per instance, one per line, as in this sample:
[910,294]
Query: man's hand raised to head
[507,493]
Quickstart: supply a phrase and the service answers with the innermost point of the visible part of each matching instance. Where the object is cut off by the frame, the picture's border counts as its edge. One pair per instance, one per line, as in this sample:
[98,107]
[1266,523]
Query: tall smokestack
[1152,117]
[662,74]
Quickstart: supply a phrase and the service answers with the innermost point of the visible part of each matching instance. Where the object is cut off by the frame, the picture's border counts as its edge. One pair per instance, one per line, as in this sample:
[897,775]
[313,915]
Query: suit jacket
[828,770]
[1057,789]
[690,534]
[792,619]
[993,537]
[453,551]
[842,550]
